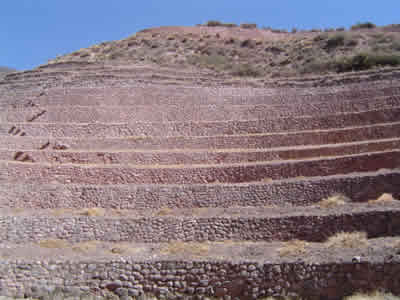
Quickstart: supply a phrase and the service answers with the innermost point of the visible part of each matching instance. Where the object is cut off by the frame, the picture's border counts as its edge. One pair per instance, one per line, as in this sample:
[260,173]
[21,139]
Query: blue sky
[34,31]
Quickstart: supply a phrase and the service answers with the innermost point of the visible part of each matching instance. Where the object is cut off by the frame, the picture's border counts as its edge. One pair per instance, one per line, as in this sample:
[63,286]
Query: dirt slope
[251,52]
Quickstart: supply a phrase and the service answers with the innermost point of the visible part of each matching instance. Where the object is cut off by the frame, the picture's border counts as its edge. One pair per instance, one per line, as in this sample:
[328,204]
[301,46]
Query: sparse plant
[213,23]
[335,41]
[248,25]
[395,45]
[248,43]
[365,61]
[245,70]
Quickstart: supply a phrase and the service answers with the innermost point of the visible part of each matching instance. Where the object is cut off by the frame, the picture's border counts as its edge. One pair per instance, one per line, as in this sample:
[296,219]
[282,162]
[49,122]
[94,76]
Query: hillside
[191,163]
[5,70]
[252,52]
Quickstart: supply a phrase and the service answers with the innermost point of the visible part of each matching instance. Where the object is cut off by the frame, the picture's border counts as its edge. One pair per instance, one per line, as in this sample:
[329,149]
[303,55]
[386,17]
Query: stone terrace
[132,180]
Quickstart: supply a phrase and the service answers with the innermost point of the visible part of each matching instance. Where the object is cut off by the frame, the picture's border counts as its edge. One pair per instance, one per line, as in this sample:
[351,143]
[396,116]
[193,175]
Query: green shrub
[248,26]
[365,61]
[335,41]
[278,30]
[365,25]
[395,45]
[245,70]
[213,23]
[229,25]
[248,43]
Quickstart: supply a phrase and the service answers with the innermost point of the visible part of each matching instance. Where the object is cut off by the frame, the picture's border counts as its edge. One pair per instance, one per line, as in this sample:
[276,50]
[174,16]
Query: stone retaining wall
[266,141]
[314,227]
[188,112]
[194,157]
[358,187]
[204,128]
[244,281]
[175,95]
[267,171]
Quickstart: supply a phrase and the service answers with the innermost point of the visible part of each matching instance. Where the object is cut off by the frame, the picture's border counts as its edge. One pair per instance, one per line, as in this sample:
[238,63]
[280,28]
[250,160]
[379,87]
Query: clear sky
[34,31]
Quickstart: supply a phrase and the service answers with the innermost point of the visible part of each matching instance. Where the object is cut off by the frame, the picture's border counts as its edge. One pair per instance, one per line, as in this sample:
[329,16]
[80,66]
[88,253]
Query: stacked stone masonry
[194,279]
[83,135]
[312,227]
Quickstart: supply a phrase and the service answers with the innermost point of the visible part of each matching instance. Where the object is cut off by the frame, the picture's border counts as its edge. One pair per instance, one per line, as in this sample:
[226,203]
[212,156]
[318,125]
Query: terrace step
[264,264]
[140,94]
[250,224]
[280,125]
[255,141]
[359,187]
[193,113]
[167,157]
[197,174]
[229,252]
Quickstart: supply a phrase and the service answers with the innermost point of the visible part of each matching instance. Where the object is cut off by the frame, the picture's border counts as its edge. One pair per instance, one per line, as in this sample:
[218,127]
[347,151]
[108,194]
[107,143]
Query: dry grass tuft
[267,179]
[125,248]
[292,248]
[165,211]
[118,250]
[396,244]
[62,211]
[383,199]
[93,212]
[54,244]
[333,201]
[85,247]
[347,240]
[373,296]
[189,248]
[17,210]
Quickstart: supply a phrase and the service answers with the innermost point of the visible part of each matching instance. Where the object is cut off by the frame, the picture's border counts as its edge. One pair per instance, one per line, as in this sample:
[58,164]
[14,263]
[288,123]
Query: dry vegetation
[373,296]
[293,248]
[94,212]
[165,211]
[54,244]
[186,249]
[248,51]
[383,199]
[334,201]
[347,240]
[85,247]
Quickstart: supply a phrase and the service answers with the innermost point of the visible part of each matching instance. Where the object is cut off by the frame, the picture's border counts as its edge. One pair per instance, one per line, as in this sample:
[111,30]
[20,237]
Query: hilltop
[248,51]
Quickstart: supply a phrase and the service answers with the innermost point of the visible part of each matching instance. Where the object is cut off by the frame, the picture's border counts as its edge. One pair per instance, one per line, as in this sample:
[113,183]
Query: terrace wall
[196,279]
[357,187]
[316,227]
